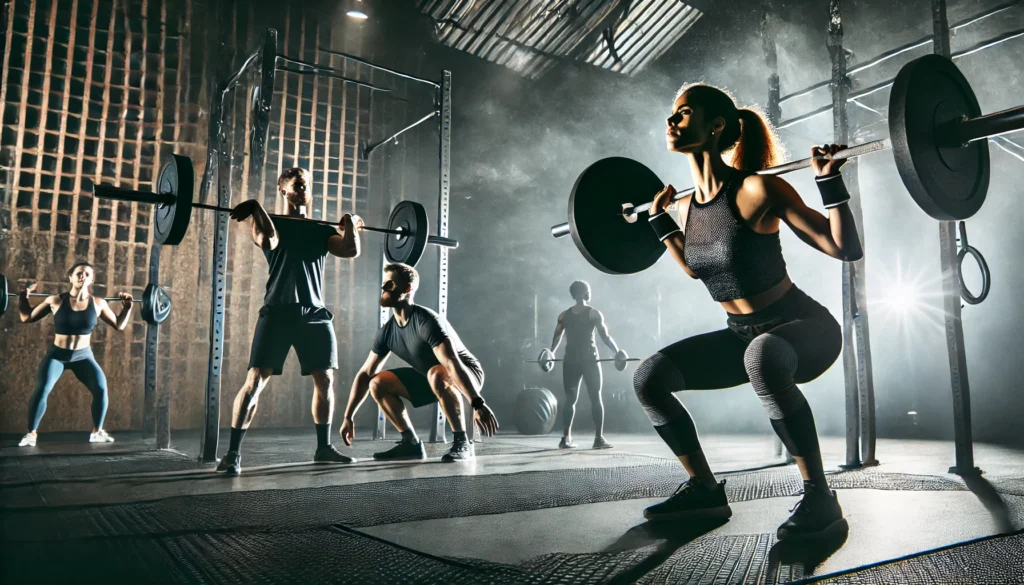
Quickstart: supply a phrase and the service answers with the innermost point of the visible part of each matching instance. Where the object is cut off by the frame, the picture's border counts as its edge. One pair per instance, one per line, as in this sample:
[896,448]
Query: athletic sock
[409,436]
[322,432]
[236,439]
[460,436]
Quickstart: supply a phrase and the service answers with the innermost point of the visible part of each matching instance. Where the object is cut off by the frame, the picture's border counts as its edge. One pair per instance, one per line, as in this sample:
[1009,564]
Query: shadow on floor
[993,502]
[668,537]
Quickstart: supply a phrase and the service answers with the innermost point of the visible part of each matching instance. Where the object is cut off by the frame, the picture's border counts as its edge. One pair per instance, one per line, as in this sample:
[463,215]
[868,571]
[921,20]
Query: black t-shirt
[415,342]
[297,264]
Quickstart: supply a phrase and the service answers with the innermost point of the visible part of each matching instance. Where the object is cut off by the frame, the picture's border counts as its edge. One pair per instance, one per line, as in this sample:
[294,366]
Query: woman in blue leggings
[74,314]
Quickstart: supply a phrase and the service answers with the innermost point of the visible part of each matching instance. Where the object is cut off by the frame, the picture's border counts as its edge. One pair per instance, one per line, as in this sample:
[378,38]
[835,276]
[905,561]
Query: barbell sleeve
[561,230]
[110,192]
[443,241]
[987,126]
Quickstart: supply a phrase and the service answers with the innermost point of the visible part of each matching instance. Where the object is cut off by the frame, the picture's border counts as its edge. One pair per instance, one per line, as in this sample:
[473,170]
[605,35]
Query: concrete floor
[522,506]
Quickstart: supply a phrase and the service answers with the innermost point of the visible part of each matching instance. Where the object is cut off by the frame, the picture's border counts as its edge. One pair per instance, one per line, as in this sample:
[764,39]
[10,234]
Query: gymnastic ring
[986,275]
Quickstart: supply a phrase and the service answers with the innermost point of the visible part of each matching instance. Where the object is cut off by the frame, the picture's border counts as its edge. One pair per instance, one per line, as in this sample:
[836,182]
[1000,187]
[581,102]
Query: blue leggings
[82,363]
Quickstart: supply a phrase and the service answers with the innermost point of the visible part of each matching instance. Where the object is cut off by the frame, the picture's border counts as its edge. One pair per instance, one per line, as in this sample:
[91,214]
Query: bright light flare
[356,15]
[909,298]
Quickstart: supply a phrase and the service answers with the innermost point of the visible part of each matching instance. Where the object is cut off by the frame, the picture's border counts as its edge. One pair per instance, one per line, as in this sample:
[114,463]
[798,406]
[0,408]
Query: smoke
[518,147]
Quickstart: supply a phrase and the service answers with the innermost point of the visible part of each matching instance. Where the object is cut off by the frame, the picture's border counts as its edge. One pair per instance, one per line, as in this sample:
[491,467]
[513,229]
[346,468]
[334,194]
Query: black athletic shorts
[418,387]
[308,329]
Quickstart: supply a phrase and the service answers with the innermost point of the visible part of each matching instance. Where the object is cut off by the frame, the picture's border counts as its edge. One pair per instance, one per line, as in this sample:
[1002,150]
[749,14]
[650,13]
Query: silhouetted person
[579,323]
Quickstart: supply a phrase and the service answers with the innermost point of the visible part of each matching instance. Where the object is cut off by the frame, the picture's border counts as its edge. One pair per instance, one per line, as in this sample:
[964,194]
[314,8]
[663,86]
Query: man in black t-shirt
[441,368]
[293,313]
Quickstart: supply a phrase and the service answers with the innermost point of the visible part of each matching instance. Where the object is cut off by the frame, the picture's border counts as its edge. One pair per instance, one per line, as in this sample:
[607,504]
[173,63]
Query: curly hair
[753,141]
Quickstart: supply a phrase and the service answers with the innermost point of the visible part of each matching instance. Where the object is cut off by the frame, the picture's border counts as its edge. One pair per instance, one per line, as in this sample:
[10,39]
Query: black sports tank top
[732,260]
[579,334]
[68,321]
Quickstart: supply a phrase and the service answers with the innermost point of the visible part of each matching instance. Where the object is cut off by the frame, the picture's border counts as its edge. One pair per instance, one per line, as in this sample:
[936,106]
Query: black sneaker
[816,514]
[692,500]
[329,454]
[563,444]
[231,464]
[403,450]
[601,443]
[460,451]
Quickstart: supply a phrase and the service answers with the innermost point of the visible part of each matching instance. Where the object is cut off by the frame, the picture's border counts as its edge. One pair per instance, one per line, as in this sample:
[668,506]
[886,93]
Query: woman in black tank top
[75,314]
[775,335]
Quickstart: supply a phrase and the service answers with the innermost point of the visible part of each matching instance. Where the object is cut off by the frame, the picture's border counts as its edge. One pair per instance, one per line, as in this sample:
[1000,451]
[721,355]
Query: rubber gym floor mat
[16,470]
[387,502]
[22,469]
[312,556]
[757,559]
[335,554]
[994,560]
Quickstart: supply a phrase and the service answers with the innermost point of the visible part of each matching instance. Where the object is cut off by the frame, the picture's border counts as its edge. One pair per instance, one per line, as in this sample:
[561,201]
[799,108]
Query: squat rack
[266,60]
[860,403]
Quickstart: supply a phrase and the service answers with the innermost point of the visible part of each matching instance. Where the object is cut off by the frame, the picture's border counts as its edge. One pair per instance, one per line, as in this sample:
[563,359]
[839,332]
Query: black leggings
[82,363]
[791,342]
[588,370]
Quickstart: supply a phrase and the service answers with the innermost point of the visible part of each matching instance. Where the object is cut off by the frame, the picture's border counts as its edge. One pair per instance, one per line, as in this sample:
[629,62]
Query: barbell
[546,360]
[174,201]
[935,132]
[155,301]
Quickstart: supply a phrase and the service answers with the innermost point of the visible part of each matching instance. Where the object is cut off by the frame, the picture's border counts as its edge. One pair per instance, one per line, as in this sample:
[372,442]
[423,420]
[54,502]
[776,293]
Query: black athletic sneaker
[231,464]
[692,500]
[403,450]
[601,443]
[817,514]
[563,444]
[460,451]
[329,454]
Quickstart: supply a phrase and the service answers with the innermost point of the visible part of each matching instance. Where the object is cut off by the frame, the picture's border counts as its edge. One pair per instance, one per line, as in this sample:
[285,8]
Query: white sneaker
[28,440]
[100,436]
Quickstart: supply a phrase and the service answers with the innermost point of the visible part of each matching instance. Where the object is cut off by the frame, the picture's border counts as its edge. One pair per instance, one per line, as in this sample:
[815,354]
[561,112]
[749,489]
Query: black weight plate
[947,181]
[149,303]
[602,235]
[411,218]
[3,294]
[156,304]
[171,220]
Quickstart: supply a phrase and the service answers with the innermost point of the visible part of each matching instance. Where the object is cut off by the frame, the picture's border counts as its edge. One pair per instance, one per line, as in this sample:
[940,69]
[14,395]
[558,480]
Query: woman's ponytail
[758,146]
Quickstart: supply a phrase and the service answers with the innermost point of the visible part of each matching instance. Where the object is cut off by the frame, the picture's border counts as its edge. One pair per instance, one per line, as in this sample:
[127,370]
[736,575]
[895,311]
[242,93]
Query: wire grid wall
[93,91]
[103,90]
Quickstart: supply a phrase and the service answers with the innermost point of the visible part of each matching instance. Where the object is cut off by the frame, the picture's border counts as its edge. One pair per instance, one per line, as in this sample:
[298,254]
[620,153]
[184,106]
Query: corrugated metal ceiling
[531,36]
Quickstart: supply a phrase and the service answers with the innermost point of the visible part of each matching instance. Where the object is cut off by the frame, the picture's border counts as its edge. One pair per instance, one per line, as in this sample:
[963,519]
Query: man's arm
[356,397]
[445,354]
[602,330]
[346,244]
[559,329]
[361,383]
[264,233]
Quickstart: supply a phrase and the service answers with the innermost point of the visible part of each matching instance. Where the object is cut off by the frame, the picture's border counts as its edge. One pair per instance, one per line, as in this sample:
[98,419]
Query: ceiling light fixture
[356,11]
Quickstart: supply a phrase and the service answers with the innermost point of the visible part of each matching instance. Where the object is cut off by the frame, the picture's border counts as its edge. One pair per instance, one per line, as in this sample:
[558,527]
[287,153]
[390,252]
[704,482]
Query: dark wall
[518,147]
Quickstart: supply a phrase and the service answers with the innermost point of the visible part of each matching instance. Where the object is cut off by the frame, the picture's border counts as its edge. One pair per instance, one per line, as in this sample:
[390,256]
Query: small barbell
[935,132]
[174,202]
[155,301]
[546,360]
